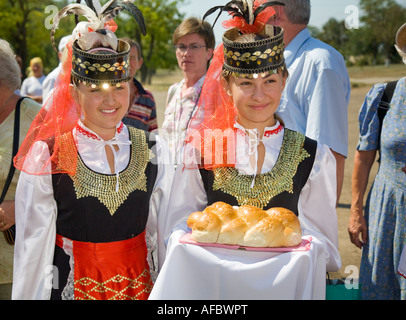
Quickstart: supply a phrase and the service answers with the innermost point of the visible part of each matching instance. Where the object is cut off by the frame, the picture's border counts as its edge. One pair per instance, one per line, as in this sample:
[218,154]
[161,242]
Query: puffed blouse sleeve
[35,210]
[187,195]
[317,206]
[369,121]
[159,204]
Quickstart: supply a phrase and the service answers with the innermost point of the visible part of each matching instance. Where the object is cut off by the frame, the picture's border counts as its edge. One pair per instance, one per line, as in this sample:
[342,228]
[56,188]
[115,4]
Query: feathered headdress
[252,57]
[248,58]
[106,63]
[245,13]
[100,25]
[89,66]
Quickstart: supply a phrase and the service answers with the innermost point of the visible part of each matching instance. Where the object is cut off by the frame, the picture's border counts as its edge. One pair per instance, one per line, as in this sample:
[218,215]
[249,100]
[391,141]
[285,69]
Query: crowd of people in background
[314,97]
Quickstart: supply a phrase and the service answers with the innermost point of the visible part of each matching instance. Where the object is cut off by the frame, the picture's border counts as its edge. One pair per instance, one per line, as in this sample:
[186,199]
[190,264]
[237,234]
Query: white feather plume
[93,32]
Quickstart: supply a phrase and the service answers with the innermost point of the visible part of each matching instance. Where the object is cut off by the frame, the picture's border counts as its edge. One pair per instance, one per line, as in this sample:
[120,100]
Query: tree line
[26,26]
[373,42]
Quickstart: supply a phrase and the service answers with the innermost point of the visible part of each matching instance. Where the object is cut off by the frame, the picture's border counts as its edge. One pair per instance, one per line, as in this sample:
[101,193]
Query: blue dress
[385,209]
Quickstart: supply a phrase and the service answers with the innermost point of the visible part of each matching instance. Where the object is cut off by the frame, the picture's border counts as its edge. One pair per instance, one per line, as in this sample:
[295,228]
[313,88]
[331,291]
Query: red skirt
[110,271]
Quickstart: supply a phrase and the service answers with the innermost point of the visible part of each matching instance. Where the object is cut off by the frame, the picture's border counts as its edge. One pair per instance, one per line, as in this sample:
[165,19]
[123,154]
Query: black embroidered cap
[263,51]
[98,57]
[246,59]
[101,66]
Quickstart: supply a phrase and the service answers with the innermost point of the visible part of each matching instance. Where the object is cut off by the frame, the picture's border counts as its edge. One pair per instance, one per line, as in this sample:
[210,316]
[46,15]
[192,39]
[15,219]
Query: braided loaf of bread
[245,226]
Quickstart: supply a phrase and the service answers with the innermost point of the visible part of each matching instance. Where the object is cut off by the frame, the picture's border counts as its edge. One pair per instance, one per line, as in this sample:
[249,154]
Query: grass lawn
[380,71]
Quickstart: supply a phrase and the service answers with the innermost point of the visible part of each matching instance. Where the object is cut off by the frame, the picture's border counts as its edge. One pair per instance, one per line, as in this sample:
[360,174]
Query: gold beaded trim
[85,287]
[268,185]
[240,62]
[86,65]
[253,73]
[88,183]
[271,54]
[67,153]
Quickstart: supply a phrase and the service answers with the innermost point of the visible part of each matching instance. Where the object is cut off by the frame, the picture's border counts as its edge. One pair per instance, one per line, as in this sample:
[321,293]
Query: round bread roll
[292,233]
[265,234]
[206,226]
[245,226]
[223,210]
[233,232]
[251,215]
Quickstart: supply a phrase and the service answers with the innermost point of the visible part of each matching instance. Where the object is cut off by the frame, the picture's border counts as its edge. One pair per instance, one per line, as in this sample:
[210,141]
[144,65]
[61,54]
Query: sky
[322,11]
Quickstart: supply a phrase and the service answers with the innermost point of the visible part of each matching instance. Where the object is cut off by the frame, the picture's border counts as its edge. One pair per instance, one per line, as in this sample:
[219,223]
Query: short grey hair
[10,72]
[297,11]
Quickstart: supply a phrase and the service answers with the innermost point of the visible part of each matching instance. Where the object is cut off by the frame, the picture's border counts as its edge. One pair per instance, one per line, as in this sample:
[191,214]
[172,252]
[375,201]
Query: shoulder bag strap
[386,99]
[15,148]
[384,104]
[9,234]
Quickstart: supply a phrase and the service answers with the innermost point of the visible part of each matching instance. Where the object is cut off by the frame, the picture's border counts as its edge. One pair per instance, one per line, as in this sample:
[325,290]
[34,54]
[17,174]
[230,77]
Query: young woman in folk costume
[242,154]
[89,184]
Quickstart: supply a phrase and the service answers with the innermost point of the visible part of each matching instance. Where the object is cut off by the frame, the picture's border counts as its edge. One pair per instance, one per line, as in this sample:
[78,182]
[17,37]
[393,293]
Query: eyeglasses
[192,47]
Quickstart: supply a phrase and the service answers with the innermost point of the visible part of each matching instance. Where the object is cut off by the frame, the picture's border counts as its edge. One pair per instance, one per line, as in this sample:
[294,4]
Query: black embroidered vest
[280,187]
[90,209]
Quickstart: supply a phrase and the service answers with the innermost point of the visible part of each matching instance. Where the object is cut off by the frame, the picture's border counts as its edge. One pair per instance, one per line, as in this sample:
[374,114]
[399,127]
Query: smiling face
[102,108]
[256,99]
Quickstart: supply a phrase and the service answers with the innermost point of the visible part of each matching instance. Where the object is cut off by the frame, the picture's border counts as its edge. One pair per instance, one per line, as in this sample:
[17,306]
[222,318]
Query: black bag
[9,234]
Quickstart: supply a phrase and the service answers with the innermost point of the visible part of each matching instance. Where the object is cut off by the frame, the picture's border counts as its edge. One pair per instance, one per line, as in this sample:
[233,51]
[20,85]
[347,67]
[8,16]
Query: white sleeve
[158,203]
[317,205]
[35,210]
[187,196]
[23,88]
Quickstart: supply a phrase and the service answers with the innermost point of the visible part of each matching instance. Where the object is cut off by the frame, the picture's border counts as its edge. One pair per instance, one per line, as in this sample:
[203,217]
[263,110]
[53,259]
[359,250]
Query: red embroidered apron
[110,271]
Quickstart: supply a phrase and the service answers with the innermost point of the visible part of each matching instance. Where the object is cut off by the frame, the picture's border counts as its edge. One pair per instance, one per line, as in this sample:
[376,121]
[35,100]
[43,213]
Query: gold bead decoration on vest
[267,185]
[88,183]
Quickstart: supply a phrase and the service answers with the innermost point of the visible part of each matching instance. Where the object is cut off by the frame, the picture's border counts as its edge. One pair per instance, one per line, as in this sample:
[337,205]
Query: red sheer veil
[58,116]
[60,113]
[212,143]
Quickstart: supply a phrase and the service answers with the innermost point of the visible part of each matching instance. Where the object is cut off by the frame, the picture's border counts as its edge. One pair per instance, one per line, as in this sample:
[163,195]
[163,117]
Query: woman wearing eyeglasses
[194,44]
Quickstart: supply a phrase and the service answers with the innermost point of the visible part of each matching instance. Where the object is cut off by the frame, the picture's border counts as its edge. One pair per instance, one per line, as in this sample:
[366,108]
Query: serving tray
[303,246]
